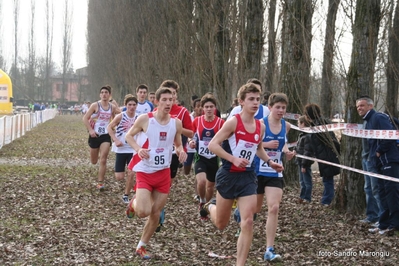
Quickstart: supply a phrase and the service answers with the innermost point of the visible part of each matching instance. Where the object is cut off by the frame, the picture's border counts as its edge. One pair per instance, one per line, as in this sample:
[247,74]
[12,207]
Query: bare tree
[271,52]
[2,63]
[14,67]
[296,61]
[49,50]
[350,194]
[66,45]
[328,57]
[31,83]
[392,68]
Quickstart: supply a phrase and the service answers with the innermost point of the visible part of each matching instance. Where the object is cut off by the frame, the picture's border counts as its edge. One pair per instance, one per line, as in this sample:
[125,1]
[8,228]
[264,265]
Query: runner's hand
[143,153]
[182,156]
[276,166]
[240,162]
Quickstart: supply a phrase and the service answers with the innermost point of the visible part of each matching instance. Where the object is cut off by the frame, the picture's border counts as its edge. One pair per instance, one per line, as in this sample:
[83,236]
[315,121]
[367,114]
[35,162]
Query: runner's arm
[111,129]
[139,125]
[87,116]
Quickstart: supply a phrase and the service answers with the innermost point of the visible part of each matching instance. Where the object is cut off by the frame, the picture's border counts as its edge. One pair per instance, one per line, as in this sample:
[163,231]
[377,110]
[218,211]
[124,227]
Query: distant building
[76,87]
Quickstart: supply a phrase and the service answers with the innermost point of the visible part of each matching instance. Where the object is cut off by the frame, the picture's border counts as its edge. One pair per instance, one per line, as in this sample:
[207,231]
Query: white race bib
[204,151]
[159,158]
[245,149]
[101,128]
[275,156]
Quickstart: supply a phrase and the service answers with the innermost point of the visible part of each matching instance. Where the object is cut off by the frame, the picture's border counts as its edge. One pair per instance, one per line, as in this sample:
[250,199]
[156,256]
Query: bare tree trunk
[254,37]
[47,90]
[31,75]
[350,195]
[271,52]
[66,46]
[2,62]
[327,72]
[296,62]
[393,65]
[14,69]
[222,52]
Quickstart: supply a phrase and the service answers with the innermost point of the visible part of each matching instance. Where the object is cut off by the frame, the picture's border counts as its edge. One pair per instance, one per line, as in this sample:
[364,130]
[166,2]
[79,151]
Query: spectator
[304,166]
[384,156]
[324,146]
[370,182]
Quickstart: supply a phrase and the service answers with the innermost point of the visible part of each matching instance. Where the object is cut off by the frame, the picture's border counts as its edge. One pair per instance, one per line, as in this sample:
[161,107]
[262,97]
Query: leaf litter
[51,213]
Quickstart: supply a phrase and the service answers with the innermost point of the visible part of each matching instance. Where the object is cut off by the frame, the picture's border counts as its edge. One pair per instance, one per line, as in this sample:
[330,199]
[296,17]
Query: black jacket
[303,148]
[325,146]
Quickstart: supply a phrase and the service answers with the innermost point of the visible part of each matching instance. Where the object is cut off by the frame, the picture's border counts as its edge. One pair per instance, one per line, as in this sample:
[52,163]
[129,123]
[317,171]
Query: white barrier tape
[350,168]
[352,130]
[372,134]
[292,144]
[292,116]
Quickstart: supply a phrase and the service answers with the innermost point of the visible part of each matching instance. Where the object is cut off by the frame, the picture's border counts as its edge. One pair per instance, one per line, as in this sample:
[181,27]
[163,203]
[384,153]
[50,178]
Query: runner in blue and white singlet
[261,167]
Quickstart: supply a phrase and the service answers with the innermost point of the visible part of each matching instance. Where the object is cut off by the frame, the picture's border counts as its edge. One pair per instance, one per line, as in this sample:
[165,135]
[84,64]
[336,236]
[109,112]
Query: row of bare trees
[216,45]
[31,75]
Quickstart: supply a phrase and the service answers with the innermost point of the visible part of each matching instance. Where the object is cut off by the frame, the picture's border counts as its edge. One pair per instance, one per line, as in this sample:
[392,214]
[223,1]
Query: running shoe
[205,210]
[387,231]
[130,209]
[142,252]
[161,220]
[197,198]
[234,204]
[270,255]
[237,216]
[125,199]
[100,187]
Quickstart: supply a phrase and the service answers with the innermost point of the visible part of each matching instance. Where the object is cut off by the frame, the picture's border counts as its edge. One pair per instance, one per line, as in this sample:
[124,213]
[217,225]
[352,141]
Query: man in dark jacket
[370,182]
[383,155]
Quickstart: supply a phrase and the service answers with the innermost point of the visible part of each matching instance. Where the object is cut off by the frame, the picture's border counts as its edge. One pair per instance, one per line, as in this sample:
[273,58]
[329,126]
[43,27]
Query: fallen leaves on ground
[51,213]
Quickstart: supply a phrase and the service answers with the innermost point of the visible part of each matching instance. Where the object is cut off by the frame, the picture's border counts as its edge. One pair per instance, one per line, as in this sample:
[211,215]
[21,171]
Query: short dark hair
[277,97]
[198,100]
[160,91]
[128,98]
[170,84]
[208,98]
[255,81]
[141,86]
[247,88]
[106,87]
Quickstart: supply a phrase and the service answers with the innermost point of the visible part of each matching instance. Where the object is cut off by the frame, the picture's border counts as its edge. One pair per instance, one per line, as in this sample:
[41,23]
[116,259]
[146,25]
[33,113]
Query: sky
[79,29]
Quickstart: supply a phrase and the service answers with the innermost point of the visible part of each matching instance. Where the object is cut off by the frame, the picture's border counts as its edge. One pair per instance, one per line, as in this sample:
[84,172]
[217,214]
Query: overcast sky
[79,28]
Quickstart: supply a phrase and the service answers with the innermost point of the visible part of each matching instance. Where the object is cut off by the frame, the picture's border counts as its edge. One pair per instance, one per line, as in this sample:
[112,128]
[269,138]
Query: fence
[13,127]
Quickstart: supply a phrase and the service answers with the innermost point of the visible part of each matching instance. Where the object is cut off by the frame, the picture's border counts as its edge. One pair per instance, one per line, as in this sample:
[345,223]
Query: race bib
[275,156]
[204,151]
[245,149]
[101,128]
[159,158]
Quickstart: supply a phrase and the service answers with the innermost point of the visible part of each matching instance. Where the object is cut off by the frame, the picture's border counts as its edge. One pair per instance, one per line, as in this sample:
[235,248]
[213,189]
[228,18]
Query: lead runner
[156,132]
